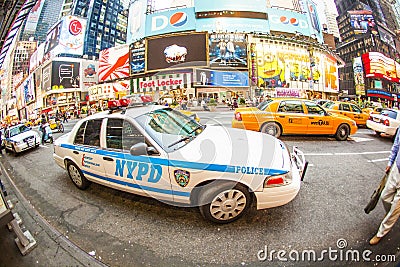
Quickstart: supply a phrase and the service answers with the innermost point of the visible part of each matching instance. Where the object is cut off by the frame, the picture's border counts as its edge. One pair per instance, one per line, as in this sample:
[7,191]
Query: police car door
[140,174]
[86,150]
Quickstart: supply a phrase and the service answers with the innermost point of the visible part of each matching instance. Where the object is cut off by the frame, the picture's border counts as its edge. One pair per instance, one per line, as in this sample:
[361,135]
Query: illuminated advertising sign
[90,73]
[331,73]
[137,57]
[232,25]
[205,77]
[177,51]
[29,89]
[72,36]
[237,5]
[52,38]
[114,63]
[362,22]
[46,77]
[136,21]
[177,20]
[376,65]
[65,75]
[33,18]
[288,21]
[310,9]
[228,49]
[359,76]
[386,37]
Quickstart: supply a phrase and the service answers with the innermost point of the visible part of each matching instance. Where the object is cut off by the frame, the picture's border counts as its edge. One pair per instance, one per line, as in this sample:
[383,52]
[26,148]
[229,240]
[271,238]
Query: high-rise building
[367,30]
[49,15]
[330,15]
[106,24]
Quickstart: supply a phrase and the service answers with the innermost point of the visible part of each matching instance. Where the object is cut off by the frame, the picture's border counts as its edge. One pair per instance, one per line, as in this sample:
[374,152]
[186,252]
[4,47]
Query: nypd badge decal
[182,177]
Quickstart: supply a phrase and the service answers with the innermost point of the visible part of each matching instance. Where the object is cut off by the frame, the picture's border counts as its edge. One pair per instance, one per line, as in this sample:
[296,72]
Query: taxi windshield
[170,128]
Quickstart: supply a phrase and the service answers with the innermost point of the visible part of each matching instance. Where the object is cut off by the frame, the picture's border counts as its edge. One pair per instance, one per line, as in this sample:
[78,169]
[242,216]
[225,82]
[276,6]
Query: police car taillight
[238,116]
[278,180]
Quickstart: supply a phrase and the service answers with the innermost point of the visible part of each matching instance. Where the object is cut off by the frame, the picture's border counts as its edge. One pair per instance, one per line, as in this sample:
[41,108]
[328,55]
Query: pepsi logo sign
[178,19]
[279,20]
[160,22]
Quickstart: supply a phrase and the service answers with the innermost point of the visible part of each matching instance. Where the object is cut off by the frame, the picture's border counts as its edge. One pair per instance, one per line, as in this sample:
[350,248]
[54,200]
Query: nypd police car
[19,138]
[159,152]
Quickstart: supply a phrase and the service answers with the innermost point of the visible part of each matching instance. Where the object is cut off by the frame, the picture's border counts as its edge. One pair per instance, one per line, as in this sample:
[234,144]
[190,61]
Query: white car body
[19,138]
[386,122]
[175,173]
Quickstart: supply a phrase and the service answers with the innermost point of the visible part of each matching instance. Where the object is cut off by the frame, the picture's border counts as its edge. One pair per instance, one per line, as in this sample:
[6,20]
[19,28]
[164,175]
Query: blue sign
[288,21]
[177,20]
[233,5]
[207,77]
[232,25]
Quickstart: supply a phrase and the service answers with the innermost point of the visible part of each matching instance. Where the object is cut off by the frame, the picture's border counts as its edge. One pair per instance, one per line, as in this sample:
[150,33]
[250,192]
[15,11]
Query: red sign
[75,27]
[376,65]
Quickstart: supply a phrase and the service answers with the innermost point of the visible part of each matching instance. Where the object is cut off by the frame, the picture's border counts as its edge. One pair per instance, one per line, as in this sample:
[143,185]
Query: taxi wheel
[77,176]
[342,132]
[271,128]
[225,202]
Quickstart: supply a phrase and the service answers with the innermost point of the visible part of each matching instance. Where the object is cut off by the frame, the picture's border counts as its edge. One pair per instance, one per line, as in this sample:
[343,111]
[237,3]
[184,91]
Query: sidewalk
[53,249]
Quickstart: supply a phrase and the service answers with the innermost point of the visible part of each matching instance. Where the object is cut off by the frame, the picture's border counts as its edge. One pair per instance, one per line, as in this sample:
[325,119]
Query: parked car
[157,151]
[20,137]
[347,109]
[293,116]
[387,122]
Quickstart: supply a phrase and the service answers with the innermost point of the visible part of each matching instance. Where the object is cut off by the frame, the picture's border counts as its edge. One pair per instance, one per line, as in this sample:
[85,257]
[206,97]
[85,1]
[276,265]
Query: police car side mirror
[138,149]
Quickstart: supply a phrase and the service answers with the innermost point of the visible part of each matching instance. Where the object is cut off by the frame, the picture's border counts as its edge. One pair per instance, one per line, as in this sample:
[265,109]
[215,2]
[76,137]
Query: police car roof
[133,111]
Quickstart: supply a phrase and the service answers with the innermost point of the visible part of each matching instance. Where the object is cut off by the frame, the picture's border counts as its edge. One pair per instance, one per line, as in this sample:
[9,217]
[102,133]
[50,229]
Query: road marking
[345,154]
[377,160]
[360,139]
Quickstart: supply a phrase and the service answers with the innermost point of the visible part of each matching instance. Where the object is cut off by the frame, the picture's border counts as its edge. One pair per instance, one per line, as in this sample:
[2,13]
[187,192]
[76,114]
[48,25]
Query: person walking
[391,193]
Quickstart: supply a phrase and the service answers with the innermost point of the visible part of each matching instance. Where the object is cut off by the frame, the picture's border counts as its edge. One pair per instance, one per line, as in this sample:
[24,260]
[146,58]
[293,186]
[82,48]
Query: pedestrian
[65,119]
[391,193]
[1,141]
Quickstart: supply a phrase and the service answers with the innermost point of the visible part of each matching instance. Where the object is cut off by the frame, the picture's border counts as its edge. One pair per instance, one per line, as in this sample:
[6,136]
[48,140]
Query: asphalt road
[326,218]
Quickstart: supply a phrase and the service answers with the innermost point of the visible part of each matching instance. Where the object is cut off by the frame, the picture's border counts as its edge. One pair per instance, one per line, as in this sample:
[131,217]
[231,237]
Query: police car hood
[234,148]
[22,136]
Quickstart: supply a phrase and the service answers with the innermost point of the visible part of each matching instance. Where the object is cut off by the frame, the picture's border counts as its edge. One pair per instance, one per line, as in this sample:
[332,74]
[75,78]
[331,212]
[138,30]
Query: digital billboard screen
[362,22]
[377,65]
[136,21]
[137,52]
[72,35]
[114,63]
[177,20]
[228,49]
[232,24]
[176,51]
[52,38]
[65,75]
[206,77]
[288,21]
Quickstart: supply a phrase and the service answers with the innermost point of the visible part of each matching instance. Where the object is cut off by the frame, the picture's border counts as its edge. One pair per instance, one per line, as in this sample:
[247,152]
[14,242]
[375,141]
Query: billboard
[331,80]
[178,50]
[362,22]
[29,89]
[313,20]
[228,49]
[52,38]
[90,73]
[386,37]
[206,77]
[234,5]
[136,21]
[288,21]
[137,51]
[33,17]
[359,76]
[377,65]
[65,75]
[46,77]
[114,63]
[177,20]
[232,25]
[72,35]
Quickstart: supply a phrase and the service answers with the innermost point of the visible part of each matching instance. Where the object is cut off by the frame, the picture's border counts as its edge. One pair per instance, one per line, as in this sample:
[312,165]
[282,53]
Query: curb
[73,252]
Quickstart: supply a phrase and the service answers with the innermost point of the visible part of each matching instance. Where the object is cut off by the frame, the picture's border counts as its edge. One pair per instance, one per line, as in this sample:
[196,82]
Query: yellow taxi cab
[293,116]
[190,114]
[374,110]
[348,109]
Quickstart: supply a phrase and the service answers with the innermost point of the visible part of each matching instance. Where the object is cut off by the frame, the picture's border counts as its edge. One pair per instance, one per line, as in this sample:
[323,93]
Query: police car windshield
[167,126]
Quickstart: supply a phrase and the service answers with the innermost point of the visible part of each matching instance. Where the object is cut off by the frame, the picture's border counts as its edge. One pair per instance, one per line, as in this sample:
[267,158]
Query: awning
[46,110]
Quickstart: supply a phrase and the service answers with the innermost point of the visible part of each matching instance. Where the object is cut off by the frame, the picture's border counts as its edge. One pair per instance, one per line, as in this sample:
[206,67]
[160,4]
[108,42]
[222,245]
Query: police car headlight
[278,180]
[18,142]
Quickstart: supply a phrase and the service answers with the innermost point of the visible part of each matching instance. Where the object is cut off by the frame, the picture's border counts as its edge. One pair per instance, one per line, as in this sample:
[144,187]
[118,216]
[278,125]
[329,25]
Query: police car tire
[77,176]
[271,128]
[342,132]
[237,201]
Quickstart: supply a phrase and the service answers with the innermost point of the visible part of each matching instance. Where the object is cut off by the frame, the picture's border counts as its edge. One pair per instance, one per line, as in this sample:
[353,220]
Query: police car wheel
[77,176]
[224,202]
[342,132]
[271,128]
